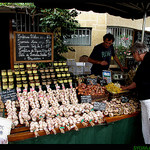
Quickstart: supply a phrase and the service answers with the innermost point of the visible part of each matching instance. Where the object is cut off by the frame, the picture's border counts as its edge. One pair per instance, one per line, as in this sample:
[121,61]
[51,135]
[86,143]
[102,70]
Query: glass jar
[58,74]
[37,83]
[49,81]
[43,76]
[36,76]
[28,65]
[3,72]
[63,74]
[5,86]
[4,79]
[24,77]
[51,69]
[19,84]
[10,78]
[17,71]
[29,71]
[53,75]
[54,81]
[57,69]
[48,75]
[11,85]
[66,68]
[35,71]
[9,72]
[30,77]
[25,84]
[46,70]
[18,77]
[21,65]
[22,71]
[16,66]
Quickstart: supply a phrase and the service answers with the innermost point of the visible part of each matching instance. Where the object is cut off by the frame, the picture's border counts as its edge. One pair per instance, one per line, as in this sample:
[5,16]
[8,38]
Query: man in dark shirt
[141,82]
[101,55]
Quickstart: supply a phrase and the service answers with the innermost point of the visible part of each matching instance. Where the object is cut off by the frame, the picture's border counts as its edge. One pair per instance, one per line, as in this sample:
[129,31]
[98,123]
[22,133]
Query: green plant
[123,49]
[62,23]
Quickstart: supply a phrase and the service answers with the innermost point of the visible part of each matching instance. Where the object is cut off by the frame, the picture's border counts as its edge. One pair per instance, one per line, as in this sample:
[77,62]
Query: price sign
[8,95]
[99,106]
[86,99]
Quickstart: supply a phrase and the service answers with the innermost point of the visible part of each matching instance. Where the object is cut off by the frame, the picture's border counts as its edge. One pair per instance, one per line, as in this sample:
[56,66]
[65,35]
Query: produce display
[116,107]
[84,89]
[52,109]
[114,88]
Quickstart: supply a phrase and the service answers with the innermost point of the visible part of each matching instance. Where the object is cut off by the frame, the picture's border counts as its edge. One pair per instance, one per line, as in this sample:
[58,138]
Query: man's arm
[118,62]
[103,63]
[131,86]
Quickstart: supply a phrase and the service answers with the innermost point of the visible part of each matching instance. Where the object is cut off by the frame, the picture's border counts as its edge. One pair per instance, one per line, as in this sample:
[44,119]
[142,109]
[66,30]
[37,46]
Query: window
[123,36]
[81,37]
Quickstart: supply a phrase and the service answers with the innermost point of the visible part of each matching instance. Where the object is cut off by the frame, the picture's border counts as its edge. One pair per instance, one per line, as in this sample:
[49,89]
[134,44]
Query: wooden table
[21,132]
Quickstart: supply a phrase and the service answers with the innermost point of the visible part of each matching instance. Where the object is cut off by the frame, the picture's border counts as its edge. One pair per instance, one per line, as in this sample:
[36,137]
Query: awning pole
[143,27]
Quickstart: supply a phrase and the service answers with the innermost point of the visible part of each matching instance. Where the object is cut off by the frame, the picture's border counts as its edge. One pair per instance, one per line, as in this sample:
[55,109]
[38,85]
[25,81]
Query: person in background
[141,82]
[101,55]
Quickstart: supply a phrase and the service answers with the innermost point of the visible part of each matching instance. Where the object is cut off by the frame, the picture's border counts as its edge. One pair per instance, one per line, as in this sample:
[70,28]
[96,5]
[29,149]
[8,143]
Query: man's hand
[103,63]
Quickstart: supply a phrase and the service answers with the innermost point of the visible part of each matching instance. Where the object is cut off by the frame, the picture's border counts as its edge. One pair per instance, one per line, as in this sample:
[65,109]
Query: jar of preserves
[10,78]
[18,77]
[54,81]
[69,79]
[49,81]
[53,75]
[25,84]
[57,69]
[43,76]
[3,72]
[46,70]
[28,65]
[29,71]
[41,70]
[68,74]
[21,65]
[60,80]
[36,76]
[32,83]
[4,79]
[55,63]
[16,66]
[58,74]
[60,63]
[48,75]
[66,68]
[24,77]
[34,70]
[19,84]
[5,86]
[11,85]
[33,65]
[51,69]
[37,83]
[44,82]
[9,72]
[65,80]
[61,69]
[17,71]
[22,71]
[63,74]
[64,63]
[30,77]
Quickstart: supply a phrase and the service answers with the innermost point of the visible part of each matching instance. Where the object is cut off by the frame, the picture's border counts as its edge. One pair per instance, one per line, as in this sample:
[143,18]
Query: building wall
[99,23]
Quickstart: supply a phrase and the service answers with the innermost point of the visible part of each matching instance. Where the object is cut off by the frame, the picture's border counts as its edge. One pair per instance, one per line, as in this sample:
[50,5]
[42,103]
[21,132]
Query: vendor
[141,82]
[101,55]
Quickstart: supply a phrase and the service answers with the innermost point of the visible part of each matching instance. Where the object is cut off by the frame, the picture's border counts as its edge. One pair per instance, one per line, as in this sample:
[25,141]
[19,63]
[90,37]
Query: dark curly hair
[109,37]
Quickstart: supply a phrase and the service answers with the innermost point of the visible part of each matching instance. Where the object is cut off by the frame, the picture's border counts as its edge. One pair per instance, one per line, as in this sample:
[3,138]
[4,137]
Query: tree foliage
[62,23]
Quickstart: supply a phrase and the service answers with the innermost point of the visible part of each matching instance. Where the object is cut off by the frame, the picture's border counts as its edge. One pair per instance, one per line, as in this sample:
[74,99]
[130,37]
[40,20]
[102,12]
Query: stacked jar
[62,72]
[20,75]
[33,76]
[7,79]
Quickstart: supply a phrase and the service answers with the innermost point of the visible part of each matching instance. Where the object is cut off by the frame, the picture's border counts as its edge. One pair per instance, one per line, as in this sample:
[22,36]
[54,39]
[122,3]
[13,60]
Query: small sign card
[8,95]
[86,99]
[99,106]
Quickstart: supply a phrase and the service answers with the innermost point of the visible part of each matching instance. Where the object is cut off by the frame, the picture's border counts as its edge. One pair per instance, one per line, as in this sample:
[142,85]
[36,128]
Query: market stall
[65,110]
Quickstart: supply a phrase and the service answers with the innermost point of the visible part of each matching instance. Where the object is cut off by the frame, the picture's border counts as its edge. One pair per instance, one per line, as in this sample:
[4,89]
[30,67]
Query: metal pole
[143,27]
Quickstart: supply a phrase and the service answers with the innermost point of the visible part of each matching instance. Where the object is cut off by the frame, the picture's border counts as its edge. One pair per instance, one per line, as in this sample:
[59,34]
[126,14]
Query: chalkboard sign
[8,95]
[86,99]
[138,37]
[33,47]
[99,106]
